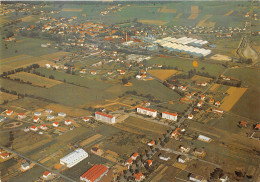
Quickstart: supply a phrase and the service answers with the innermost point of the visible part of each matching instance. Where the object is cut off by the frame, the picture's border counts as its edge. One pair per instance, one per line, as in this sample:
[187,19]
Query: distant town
[130,91]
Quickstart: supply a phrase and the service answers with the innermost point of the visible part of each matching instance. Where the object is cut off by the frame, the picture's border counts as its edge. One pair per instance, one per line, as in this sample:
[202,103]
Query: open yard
[35,79]
[200,78]
[163,74]
[146,126]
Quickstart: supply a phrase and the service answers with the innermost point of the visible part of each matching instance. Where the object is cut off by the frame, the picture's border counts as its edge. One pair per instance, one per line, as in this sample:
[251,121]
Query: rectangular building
[170,116]
[74,158]
[95,173]
[147,111]
[105,117]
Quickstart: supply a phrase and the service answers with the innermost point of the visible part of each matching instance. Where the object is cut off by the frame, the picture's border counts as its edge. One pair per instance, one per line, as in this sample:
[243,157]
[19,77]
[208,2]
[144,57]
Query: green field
[69,78]
[186,65]
[248,105]
[29,46]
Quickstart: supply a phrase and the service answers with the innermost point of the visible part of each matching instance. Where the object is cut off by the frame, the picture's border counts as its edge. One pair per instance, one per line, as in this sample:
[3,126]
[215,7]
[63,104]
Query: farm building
[74,158]
[21,116]
[95,173]
[204,138]
[180,45]
[105,117]
[147,111]
[170,116]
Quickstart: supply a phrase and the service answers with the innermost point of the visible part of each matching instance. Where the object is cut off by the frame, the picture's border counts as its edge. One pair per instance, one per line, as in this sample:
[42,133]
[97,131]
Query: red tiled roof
[135,154]
[257,126]
[46,173]
[4,154]
[33,127]
[138,176]
[104,114]
[148,109]
[173,114]
[95,172]
[8,111]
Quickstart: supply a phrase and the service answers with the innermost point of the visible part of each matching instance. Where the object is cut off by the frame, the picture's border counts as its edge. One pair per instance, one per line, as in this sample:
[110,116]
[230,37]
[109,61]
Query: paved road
[28,159]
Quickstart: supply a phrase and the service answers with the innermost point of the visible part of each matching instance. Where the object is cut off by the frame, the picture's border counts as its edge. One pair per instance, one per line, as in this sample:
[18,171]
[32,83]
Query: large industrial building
[95,173]
[74,158]
[105,117]
[185,45]
[170,116]
[146,111]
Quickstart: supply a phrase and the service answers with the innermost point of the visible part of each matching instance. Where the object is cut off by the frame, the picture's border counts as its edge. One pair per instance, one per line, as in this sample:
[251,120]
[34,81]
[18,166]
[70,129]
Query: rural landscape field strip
[234,95]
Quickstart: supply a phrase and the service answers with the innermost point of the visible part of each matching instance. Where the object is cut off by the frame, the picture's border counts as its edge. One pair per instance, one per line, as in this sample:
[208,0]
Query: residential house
[46,174]
[43,127]
[37,114]
[67,122]
[36,119]
[4,155]
[151,143]
[139,177]
[198,152]
[21,116]
[25,166]
[134,156]
[62,114]
[9,112]
[85,119]
[55,124]
[190,116]
[182,158]
[149,162]
[34,128]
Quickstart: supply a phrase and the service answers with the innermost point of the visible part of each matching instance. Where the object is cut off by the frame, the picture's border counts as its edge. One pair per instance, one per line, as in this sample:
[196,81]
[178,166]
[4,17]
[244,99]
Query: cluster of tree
[26,69]
[244,60]
[230,83]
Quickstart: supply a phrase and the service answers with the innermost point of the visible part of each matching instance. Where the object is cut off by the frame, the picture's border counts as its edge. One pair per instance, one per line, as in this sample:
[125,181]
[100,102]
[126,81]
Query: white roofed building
[74,158]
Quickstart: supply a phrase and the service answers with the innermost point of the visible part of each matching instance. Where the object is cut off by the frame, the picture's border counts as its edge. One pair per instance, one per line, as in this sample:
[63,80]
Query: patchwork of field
[35,79]
[187,65]
[153,22]
[201,78]
[30,18]
[90,140]
[194,12]
[178,16]
[14,62]
[5,96]
[164,9]
[229,13]
[230,100]
[214,87]
[206,23]
[163,74]
[71,10]
[54,55]
[145,126]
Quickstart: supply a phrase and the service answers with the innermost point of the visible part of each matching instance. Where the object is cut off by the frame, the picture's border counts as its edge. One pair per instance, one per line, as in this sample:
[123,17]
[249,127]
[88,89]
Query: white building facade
[170,116]
[105,117]
[147,111]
